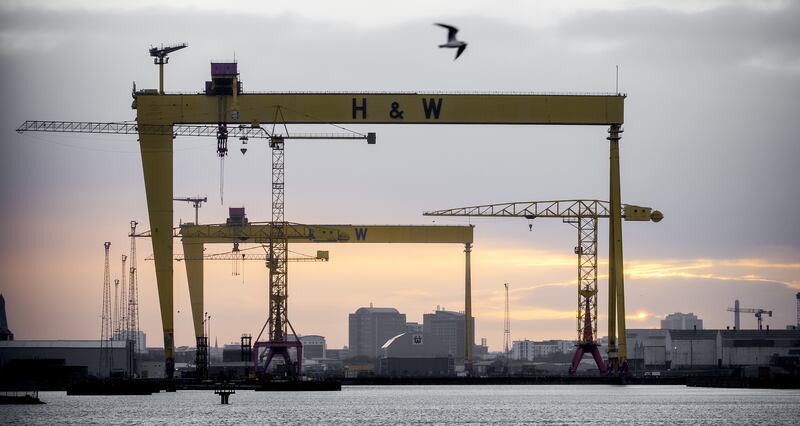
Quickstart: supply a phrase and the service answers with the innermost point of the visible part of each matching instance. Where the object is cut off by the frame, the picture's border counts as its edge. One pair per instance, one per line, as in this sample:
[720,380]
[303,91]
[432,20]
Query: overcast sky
[711,125]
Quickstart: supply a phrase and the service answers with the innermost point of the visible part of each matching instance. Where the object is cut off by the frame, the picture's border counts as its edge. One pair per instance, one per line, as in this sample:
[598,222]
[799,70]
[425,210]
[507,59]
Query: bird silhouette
[451,39]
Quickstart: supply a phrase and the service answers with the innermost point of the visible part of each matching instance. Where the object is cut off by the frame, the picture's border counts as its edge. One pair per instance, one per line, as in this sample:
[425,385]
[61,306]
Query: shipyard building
[370,328]
[650,349]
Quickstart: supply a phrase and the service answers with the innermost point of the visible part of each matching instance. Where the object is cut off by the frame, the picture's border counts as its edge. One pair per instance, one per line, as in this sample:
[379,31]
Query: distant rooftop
[377,311]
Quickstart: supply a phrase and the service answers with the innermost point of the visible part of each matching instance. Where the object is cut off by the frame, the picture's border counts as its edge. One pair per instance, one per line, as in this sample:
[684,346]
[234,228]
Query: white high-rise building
[680,321]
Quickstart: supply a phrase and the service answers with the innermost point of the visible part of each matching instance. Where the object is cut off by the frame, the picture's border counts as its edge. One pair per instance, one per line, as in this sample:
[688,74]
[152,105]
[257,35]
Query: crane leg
[194,277]
[616,274]
[157,166]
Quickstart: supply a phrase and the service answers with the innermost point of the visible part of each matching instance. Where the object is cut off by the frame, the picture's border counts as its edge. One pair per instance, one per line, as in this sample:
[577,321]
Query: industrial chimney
[736,325]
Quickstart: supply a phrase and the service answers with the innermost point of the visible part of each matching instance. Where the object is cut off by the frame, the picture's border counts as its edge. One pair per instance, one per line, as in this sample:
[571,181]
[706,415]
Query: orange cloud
[715,269]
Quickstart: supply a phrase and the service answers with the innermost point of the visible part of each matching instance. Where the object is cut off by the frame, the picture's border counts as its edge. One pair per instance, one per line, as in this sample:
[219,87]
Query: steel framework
[132,329]
[121,332]
[106,360]
[583,215]
[205,130]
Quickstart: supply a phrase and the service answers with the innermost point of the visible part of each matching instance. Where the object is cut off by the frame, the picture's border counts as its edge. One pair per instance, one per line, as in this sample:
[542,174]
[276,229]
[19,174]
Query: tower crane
[757,311]
[196,201]
[160,58]
[583,215]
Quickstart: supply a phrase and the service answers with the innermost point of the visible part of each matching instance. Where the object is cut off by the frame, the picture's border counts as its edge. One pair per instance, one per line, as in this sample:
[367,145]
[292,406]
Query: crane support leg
[470,333]
[616,293]
[157,165]
[194,277]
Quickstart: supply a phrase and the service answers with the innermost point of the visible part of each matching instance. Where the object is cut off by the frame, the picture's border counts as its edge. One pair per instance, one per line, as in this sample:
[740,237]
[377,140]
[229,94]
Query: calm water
[377,405]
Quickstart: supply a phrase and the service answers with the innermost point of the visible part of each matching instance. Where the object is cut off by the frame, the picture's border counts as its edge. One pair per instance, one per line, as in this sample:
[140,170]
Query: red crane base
[280,349]
[593,349]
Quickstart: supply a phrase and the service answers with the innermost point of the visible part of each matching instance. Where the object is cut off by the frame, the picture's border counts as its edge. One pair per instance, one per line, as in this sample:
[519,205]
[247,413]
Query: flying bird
[451,40]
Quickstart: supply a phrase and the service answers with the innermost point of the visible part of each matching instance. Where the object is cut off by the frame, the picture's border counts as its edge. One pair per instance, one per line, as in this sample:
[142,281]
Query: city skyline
[713,88]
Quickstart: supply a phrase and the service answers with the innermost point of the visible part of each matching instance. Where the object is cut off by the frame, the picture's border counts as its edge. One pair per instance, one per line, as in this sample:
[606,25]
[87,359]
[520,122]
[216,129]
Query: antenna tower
[122,323]
[133,294]
[507,329]
[115,314]
[105,328]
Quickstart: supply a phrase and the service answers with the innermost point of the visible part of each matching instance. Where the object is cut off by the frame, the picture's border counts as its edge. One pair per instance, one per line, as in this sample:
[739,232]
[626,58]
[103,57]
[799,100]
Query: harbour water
[385,405]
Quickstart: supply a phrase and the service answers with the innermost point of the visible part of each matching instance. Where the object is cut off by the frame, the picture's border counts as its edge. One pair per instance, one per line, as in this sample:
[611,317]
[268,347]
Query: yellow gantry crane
[583,215]
[194,238]
[224,106]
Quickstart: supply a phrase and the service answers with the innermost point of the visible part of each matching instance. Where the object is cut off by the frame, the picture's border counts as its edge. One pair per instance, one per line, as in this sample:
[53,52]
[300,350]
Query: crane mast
[278,258]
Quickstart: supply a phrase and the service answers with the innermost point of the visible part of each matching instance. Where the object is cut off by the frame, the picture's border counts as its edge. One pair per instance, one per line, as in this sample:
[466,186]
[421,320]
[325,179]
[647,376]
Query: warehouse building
[708,349]
[416,355]
[70,354]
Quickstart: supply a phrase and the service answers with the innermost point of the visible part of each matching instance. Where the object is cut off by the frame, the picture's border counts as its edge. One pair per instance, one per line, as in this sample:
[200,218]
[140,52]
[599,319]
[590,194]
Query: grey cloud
[728,34]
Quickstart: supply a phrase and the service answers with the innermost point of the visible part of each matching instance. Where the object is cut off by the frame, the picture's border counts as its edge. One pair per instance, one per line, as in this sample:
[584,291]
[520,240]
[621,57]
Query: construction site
[272,358]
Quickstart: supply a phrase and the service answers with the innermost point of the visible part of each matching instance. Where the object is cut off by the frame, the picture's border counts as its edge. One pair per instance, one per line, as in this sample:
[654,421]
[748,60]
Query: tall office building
[370,328]
[448,326]
[679,321]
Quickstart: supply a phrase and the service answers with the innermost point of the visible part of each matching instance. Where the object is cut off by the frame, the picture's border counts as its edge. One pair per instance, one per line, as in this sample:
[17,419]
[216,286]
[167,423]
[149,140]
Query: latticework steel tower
[105,327]
[278,321]
[586,223]
[121,333]
[133,294]
[115,313]
[507,328]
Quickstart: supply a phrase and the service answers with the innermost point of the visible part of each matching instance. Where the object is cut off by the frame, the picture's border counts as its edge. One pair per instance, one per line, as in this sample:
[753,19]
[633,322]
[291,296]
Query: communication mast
[105,328]
[507,329]
[122,322]
[115,314]
[133,294]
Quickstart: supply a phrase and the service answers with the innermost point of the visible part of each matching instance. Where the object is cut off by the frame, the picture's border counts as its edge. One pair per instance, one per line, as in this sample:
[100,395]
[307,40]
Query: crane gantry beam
[582,214]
